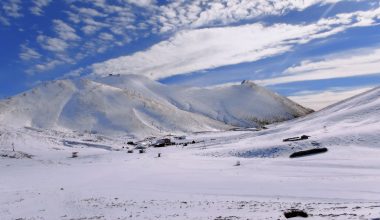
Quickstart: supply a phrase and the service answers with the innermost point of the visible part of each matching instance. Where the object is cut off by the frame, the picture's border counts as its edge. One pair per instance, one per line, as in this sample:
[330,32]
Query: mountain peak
[248,82]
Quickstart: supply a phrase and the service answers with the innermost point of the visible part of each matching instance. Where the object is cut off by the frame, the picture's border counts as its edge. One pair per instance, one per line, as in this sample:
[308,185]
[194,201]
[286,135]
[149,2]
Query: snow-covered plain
[200,180]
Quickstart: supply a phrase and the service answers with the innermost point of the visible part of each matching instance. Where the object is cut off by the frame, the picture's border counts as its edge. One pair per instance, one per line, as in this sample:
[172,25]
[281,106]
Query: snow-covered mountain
[104,180]
[138,106]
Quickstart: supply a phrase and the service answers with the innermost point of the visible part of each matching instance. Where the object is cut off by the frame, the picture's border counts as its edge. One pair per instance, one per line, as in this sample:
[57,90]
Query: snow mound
[14,154]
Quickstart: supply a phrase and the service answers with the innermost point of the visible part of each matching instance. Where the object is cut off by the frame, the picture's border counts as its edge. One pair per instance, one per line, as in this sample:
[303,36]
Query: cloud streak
[347,64]
[208,48]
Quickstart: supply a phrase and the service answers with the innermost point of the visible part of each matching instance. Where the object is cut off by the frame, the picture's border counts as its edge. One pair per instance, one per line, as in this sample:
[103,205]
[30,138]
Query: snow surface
[198,181]
[137,106]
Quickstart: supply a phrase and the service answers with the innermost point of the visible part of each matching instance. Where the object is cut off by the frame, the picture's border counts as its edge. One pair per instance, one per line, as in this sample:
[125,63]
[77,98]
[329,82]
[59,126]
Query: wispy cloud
[55,48]
[65,31]
[106,36]
[47,65]
[90,28]
[347,64]
[87,30]
[195,14]
[207,48]
[4,21]
[52,44]
[201,49]
[28,53]
[89,12]
[143,3]
[38,6]
[12,8]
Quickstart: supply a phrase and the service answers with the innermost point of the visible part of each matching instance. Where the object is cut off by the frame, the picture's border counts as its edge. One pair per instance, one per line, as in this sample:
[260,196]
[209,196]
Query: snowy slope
[86,105]
[138,106]
[357,111]
[352,122]
[240,105]
[246,105]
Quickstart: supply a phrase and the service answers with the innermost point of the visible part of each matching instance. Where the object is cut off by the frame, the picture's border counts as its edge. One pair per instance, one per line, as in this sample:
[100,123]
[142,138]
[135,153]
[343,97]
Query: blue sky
[298,48]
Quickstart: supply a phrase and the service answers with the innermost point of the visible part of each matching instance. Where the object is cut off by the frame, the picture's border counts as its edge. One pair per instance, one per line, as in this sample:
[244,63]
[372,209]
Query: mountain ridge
[138,106]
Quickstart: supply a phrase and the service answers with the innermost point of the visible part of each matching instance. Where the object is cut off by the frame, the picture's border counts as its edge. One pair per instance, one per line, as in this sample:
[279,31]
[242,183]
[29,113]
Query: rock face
[138,106]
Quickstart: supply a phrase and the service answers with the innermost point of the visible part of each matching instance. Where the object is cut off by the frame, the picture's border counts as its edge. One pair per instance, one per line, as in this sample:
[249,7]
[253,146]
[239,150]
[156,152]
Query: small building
[141,145]
[163,142]
[180,137]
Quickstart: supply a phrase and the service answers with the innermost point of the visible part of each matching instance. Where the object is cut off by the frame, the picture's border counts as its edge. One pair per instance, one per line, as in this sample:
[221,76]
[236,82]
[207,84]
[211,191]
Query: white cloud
[38,6]
[52,44]
[4,21]
[102,14]
[64,37]
[73,17]
[74,73]
[200,49]
[28,53]
[12,8]
[113,19]
[90,12]
[65,31]
[199,13]
[92,26]
[44,66]
[347,64]
[320,99]
[142,3]
[90,29]
[106,36]
[48,65]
